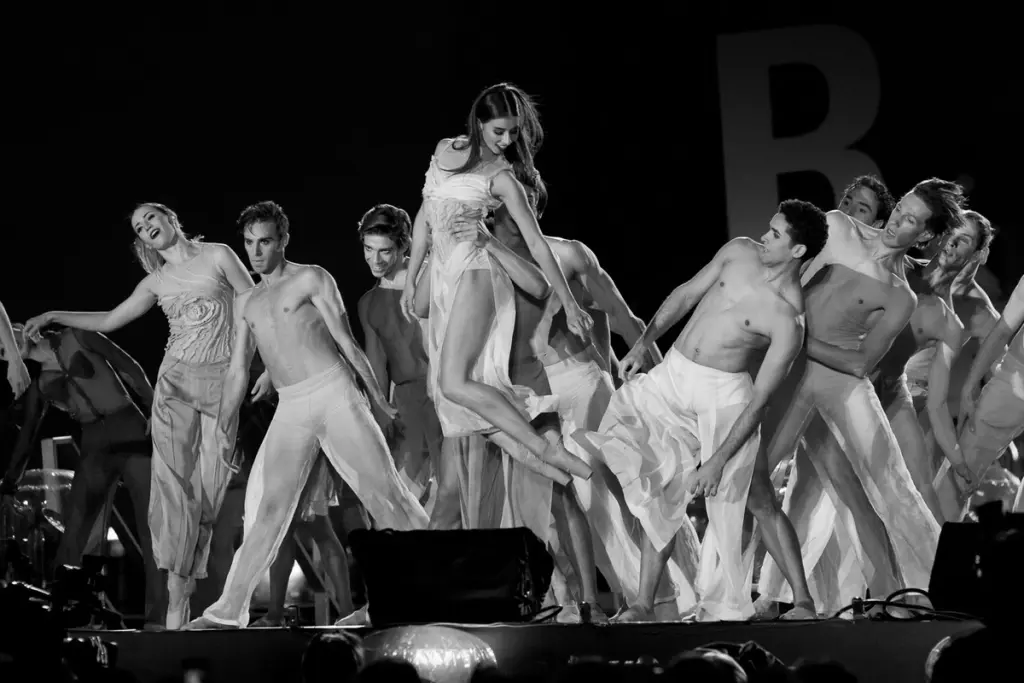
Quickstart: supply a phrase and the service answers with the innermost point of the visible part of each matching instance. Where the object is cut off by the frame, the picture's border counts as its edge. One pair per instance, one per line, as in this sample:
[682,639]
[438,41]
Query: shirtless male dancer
[17,373]
[690,426]
[991,417]
[297,318]
[577,372]
[836,577]
[395,346]
[312,520]
[858,302]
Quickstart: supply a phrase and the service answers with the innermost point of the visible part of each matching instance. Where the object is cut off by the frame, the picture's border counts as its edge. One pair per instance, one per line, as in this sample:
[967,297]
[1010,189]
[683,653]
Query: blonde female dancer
[195,283]
[472,311]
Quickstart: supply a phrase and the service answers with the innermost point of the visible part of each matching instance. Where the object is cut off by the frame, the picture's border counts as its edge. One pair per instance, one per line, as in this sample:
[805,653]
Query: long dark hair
[498,101]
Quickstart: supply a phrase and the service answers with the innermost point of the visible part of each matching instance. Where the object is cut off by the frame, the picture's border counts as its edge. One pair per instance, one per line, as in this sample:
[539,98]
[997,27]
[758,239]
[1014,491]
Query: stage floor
[887,651]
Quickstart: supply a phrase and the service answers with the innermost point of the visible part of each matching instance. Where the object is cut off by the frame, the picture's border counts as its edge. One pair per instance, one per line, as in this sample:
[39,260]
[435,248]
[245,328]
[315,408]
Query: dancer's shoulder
[739,247]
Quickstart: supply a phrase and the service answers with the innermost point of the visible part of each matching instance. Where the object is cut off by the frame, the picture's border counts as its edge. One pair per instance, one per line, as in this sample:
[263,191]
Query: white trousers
[326,412]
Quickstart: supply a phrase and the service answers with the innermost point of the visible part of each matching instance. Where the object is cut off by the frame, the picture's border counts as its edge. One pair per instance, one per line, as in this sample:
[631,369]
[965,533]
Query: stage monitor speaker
[975,564]
[471,577]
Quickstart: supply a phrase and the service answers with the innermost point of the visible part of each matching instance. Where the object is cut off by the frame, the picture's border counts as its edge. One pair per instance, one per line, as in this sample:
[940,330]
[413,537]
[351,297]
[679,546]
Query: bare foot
[633,615]
[800,612]
[765,609]
[361,617]
[268,622]
[204,624]
[531,461]
[560,457]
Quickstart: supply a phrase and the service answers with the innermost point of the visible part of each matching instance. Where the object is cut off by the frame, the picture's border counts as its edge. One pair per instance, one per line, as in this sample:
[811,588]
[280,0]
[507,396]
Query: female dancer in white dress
[195,283]
[472,312]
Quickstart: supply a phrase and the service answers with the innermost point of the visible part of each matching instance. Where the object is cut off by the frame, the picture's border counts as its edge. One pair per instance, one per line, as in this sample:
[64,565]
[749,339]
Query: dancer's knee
[761,500]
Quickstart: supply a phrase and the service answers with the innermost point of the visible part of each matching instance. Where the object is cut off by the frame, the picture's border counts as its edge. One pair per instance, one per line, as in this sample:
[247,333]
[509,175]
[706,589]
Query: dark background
[328,111]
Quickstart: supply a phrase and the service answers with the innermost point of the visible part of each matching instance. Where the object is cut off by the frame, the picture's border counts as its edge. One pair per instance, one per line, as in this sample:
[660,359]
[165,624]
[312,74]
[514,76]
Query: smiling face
[153,227]
[906,226]
[498,134]
[382,255]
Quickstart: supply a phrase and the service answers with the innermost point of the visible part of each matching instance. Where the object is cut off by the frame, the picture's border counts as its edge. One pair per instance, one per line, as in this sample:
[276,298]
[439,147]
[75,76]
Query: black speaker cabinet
[471,577]
[977,567]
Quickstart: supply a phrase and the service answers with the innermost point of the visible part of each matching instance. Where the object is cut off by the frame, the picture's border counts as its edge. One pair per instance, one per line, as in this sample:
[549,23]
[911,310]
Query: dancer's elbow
[454,389]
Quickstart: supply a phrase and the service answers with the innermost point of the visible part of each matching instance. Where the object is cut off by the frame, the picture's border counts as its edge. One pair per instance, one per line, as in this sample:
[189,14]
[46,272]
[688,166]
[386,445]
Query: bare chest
[838,290]
[737,309]
[273,307]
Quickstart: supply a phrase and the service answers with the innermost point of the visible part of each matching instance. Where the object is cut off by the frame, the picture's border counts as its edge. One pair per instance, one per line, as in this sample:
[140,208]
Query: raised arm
[232,268]
[861,361]
[327,299]
[787,333]
[948,343]
[509,190]
[687,295]
[606,295]
[236,379]
[124,365]
[140,301]
[992,348]
[372,344]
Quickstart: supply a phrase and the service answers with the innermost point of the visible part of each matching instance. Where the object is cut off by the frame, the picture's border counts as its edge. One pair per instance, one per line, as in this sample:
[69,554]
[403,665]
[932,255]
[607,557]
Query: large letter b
[753,158]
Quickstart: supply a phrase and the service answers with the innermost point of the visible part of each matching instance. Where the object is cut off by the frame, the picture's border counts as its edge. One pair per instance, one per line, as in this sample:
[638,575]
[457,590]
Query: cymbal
[46,480]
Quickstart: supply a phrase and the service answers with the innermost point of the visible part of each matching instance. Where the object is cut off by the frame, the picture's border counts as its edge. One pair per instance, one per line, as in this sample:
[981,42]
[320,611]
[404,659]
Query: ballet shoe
[557,455]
